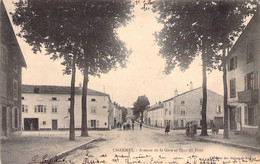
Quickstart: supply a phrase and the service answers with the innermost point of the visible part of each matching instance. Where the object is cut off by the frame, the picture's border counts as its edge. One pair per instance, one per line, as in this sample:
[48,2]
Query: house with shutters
[11,63]
[187,107]
[243,63]
[46,107]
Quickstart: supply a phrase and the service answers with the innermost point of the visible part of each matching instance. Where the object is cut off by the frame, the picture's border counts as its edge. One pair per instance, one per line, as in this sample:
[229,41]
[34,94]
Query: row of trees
[200,28]
[82,33]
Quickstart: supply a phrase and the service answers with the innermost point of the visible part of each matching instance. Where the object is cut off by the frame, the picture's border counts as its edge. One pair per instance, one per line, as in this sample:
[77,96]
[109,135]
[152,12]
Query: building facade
[243,63]
[186,107]
[155,115]
[11,63]
[115,116]
[48,108]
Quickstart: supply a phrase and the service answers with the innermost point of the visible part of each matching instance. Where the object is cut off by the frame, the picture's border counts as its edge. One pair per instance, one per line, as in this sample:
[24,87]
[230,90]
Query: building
[47,108]
[11,63]
[115,115]
[186,107]
[243,63]
[155,115]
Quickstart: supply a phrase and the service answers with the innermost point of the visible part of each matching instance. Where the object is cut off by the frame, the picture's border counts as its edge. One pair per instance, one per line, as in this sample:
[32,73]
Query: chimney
[176,92]
[191,85]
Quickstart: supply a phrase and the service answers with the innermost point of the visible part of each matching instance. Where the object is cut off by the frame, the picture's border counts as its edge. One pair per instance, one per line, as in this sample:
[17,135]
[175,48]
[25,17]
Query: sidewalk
[37,144]
[236,140]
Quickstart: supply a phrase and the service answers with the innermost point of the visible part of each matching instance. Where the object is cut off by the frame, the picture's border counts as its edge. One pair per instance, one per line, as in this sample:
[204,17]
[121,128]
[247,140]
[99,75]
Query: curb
[59,156]
[229,144]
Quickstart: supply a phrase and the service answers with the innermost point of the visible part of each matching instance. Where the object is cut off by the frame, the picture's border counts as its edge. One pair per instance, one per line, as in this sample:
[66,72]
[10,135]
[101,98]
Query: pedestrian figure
[141,125]
[187,129]
[167,128]
[133,126]
[31,126]
[191,130]
[124,126]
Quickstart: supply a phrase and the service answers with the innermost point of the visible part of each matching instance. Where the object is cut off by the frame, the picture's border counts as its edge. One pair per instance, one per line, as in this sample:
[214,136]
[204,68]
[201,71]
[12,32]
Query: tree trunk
[84,128]
[72,100]
[204,103]
[225,94]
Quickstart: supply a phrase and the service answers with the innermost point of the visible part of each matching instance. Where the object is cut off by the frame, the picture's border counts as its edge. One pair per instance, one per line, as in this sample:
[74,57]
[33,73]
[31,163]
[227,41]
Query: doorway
[4,120]
[31,124]
[54,124]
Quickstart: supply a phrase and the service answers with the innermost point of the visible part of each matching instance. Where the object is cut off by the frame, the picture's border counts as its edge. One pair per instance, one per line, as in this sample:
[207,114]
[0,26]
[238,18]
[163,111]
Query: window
[54,99]
[251,81]
[93,100]
[15,65]
[169,112]
[15,89]
[3,53]
[93,123]
[232,64]
[250,51]
[23,98]
[40,109]
[232,88]
[43,122]
[36,90]
[24,108]
[68,109]
[104,106]
[182,111]
[218,109]
[169,103]
[182,102]
[251,115]
[69,99]
[93,109]
[54,109]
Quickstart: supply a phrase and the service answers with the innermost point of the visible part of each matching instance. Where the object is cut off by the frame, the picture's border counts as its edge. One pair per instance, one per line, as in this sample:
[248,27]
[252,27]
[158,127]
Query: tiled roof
[49,89]
[208,90]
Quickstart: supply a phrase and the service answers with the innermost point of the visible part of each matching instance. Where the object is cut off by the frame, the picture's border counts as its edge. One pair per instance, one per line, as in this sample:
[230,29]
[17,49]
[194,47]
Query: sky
[142,76]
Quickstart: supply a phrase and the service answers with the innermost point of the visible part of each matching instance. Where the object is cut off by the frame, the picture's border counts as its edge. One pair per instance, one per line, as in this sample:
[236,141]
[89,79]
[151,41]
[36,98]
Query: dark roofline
[78,90]
[182,94]
[14,36]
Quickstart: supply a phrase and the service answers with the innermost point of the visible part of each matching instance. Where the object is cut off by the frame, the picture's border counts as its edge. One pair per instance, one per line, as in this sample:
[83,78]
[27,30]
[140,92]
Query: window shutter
[246,115]
[97,123]
[238,114]
[228,65]
[245,82]
[235,62]
[256,80]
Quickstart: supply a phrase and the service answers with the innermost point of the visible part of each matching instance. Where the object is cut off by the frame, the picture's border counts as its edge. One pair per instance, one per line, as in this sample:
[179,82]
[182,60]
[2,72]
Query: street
[151,145]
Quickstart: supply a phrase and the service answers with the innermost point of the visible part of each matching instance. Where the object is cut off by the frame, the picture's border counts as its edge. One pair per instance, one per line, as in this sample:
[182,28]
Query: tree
[192,28]
[39,22]
[78,24]
[139,106]
[185,35]
[101,48]
[227,25]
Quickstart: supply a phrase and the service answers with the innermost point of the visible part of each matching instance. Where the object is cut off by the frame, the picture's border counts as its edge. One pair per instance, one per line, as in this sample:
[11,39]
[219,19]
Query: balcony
[248,96]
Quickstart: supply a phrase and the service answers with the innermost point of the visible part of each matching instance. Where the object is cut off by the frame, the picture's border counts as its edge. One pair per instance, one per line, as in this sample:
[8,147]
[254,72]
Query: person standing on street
[141,125]
[167,128]
[133,125]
